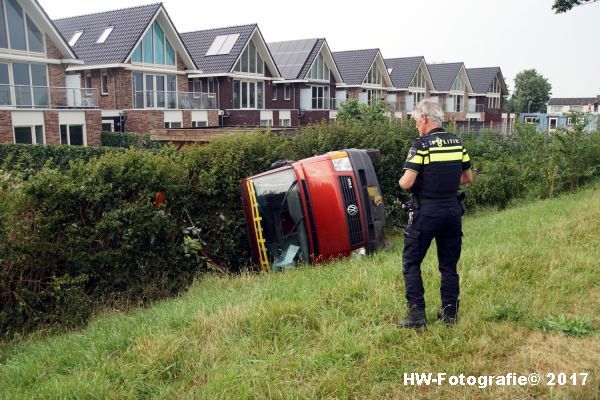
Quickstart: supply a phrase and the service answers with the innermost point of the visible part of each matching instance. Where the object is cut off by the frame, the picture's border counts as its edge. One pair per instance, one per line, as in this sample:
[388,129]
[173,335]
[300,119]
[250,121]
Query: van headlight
[359,252]
[340,160]
[342,164]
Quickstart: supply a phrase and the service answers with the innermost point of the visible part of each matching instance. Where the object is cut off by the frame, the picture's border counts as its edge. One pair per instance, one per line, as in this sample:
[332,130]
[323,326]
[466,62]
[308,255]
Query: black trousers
[441,221]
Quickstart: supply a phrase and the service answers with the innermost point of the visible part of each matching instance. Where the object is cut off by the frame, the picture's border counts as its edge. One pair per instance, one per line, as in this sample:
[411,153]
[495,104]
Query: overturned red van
[314,210]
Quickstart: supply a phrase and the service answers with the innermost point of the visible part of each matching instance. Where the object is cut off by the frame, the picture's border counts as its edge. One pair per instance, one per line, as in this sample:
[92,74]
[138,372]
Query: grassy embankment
[328,331]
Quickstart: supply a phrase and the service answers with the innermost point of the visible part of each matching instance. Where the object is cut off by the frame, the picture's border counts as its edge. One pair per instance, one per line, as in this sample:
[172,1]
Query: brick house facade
[38,114]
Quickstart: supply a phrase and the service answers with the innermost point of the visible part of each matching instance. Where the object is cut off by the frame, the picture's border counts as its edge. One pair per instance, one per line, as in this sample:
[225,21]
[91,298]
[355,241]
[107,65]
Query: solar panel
[222,44]
[229,43]
[290,56]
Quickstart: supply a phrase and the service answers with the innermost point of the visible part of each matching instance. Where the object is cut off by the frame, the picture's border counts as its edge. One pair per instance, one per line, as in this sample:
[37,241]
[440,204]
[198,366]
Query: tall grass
[329,331]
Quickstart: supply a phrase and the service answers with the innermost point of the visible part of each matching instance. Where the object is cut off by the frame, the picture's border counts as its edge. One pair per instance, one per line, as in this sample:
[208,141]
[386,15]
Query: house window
[266,118]
[374,76]
[75,38]
[104,81]
[29,134]
[199,124]
[210,85]
[419,80]
[495,86]
[197,88]
[320,97]
[88,80]
[274,92]
[250,61]
[72,135]
[154,48]
[17,30]
[287,90]
[105,34]
[172,125]
[373,96]
[454,103]
[532,120]
[248,95]
[493,102]
[154,91]
[285,118]
[319,70]
[458,85]
[30,85]
[417,97]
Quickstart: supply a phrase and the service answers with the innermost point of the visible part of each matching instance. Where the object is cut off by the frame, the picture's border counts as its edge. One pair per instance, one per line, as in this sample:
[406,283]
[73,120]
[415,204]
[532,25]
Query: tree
[353,111]
[561,6]
[532,92]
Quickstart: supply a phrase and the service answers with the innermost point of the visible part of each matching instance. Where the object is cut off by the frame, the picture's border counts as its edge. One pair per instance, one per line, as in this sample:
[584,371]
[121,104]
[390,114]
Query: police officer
[436,165]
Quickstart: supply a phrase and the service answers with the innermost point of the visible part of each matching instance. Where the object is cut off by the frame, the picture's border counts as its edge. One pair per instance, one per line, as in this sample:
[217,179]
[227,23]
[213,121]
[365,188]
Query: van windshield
[283,220]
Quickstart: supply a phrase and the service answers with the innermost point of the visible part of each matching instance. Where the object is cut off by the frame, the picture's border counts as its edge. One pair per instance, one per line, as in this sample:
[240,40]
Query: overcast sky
[512,34]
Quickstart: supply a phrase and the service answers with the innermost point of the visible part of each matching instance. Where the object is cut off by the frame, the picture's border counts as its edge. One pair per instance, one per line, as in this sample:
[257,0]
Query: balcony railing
[174,100]
[475,108]
[20,96]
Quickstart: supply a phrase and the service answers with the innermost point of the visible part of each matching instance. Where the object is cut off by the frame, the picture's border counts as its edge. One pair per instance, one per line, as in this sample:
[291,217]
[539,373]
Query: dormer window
[75,38]
[105,34]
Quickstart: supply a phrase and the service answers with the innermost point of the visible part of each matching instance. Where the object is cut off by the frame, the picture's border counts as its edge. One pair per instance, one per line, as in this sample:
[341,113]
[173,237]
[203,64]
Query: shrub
[29,159]
[117,139]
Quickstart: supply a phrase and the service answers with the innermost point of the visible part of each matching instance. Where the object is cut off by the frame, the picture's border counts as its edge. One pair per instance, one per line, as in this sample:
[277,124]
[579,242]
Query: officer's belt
[423,202]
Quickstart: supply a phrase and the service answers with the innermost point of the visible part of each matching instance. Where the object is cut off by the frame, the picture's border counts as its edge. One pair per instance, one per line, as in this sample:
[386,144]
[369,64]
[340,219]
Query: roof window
[75,38]
[105,34]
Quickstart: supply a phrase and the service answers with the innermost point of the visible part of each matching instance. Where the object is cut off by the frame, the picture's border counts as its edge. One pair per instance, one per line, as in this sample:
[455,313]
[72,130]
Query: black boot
[448,314]
[416,318]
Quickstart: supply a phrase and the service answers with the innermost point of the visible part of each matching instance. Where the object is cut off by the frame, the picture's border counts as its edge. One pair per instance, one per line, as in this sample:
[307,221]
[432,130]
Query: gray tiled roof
[482,78]
[404,70]
[199,42]
[294,57]
[129,25]
[573,101]
[354,64]
[444,75]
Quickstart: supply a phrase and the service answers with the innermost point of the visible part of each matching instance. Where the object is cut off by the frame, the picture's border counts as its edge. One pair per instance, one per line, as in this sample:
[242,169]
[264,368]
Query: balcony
[174,100]
[39,97]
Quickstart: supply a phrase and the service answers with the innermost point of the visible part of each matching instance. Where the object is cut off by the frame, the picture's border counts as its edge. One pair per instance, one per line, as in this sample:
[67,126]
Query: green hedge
[28,159]
[86,233]
[116,139]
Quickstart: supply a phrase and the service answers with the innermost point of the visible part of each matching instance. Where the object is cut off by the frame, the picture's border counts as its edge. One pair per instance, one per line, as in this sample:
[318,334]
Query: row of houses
[65,81]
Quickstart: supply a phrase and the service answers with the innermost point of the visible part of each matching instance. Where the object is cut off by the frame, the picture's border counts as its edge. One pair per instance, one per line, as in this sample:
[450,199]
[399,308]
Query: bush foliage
[85,228]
